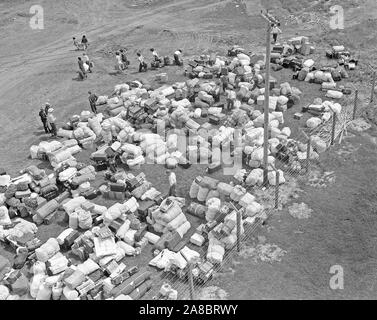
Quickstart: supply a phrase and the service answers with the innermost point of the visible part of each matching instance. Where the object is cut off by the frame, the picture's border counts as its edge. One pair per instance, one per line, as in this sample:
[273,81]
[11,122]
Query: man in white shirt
[178,57]
[275,30]
[155,55]
[172,183]
[51,120]
[119,61]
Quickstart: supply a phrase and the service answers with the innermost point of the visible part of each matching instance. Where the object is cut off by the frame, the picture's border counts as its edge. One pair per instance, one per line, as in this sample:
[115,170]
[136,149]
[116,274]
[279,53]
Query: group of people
[85,66]
[83,45]
[123,62]
[48,119]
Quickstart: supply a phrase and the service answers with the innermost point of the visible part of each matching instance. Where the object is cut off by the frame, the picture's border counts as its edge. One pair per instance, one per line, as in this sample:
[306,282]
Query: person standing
[43,116]
[178,57]
[172,183]
[84,42]
[51,120]
[47,106]
[142,65]
[76,44]
[123,56]
[119,61]
[231,98]
[81,67]
[275,31]
[155,56]
[223,83]
[92,100]
[87,61]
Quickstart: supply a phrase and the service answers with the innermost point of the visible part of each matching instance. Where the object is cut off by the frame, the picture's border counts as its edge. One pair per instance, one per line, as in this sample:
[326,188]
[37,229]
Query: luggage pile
[322,112]
[343,56]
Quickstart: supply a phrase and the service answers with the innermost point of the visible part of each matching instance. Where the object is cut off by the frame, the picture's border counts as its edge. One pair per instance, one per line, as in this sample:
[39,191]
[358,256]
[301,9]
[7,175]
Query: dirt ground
[39,66]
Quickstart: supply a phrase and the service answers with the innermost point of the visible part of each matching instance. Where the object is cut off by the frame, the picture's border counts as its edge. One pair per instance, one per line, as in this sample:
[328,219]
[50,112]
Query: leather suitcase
[117,187]
[214,120]
[99,157]
[70,239]
[90,194]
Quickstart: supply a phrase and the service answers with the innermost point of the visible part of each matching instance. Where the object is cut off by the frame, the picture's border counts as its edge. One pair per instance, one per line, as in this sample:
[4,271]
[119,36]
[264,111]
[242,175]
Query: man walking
[275,31]
[172,183]
[43,116]
[92,100]
[51,120]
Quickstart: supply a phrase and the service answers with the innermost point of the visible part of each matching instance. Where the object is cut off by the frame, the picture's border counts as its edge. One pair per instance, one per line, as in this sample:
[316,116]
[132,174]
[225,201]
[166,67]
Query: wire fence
[329,132]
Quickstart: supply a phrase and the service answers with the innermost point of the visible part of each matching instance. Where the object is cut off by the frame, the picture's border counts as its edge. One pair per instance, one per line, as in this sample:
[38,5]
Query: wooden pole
[191,281]
[308,147]
[266,103]
[277,189]
[333,128]
[238,231]
[355,104]
[373,85]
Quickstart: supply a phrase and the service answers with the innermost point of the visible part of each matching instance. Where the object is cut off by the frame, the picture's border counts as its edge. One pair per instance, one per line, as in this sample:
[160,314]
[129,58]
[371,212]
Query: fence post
[308,147]
[355,104]
[333,128]
[277,189]
[191,280]
[373,85]
[238,230]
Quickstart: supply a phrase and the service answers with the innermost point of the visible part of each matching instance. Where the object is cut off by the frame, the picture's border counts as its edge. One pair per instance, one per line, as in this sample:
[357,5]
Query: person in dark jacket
[92,100]
[123,55]
[43,116]
[85,42]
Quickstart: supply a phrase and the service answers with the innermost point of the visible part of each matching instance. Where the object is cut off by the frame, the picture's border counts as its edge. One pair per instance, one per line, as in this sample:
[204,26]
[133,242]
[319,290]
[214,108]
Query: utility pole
[270,20]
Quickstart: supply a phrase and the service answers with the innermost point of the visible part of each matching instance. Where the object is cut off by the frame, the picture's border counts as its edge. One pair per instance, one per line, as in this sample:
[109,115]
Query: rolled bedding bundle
[68,134]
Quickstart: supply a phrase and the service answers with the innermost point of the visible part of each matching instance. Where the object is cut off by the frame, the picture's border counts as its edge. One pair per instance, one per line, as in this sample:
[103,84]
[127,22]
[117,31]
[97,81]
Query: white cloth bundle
[272,178]
[47,250]
[71,205]
[68,134]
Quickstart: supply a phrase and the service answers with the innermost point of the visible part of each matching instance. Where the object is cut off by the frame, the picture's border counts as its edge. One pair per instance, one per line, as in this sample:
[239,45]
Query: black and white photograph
[188,155]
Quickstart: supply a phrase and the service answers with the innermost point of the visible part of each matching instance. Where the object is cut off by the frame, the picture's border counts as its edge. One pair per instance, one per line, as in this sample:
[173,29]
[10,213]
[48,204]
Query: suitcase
[213,167]
[214,120]
[117,187]
[90,194]
[99,157]
[102,166]
[208,76]
[70,239]
[141,232]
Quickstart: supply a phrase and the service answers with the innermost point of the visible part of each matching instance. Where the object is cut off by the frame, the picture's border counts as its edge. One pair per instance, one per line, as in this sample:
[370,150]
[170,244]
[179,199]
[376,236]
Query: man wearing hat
[51,120]
[172,183]
[43,116]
